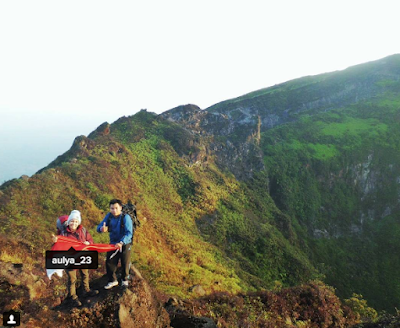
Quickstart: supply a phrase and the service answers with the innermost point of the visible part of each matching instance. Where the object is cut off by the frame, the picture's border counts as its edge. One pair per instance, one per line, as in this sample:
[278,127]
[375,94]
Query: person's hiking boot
[90,293]
[111,284]
[75,302]
[125,283]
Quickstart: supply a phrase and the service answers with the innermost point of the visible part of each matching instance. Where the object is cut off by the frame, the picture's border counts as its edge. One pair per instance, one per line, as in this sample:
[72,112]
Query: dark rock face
[18,282]
[199,121]
[181,317]
[182,321]
[234,143]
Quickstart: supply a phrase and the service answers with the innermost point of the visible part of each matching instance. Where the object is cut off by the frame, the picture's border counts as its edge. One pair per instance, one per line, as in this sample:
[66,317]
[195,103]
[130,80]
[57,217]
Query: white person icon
[11,319]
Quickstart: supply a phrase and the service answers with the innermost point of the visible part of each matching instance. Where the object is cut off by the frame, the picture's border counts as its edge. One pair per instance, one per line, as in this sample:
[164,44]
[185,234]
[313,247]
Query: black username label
[72,259]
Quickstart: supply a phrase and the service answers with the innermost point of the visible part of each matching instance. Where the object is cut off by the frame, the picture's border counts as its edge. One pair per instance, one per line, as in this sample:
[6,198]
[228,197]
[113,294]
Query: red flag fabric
[65,243]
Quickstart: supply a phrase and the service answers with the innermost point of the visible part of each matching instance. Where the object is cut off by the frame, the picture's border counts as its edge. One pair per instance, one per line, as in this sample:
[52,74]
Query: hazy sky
[68,66]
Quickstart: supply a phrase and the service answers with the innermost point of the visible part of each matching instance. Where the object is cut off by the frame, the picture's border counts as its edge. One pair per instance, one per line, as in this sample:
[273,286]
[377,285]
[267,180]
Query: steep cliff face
[233,143]
[337,172]
[231,129]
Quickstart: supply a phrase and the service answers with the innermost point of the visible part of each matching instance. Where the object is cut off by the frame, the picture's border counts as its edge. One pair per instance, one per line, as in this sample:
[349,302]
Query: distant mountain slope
[325,143]
[274,188]
[285,102]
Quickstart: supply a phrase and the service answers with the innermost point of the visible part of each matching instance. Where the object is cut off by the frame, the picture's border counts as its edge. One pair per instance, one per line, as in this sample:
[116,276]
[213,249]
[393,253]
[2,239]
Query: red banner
[65,243]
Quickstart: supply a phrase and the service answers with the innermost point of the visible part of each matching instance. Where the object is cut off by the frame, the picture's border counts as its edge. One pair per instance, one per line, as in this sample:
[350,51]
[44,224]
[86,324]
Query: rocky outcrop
[181,316]
[35,297]
[135,306]
[102,130]
[233,144]
[199,121]
[82,145]
[365,177]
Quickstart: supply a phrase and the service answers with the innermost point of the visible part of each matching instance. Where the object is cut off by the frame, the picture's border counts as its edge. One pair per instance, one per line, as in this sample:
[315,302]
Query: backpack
[129,209]
[62,223]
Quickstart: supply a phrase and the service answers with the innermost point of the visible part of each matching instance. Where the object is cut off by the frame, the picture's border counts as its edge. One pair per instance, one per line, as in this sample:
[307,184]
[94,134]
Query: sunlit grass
[354,126]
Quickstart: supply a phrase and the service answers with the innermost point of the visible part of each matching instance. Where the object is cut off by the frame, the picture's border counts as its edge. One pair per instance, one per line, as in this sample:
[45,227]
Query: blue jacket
[117,234]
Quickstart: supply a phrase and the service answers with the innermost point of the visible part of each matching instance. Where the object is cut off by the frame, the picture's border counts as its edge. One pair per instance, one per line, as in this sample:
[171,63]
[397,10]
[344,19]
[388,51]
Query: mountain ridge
[234,203]
[317,100]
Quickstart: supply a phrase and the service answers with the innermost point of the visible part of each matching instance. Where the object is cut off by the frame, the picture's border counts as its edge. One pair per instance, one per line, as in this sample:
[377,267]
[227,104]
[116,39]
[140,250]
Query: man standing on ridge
[120,227]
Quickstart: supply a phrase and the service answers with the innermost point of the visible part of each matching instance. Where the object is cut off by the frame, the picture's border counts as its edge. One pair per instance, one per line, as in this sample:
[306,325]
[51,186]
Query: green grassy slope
[337,173]
[137,158]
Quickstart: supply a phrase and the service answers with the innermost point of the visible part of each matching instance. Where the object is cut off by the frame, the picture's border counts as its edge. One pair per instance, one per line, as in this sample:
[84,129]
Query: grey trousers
[112,263]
